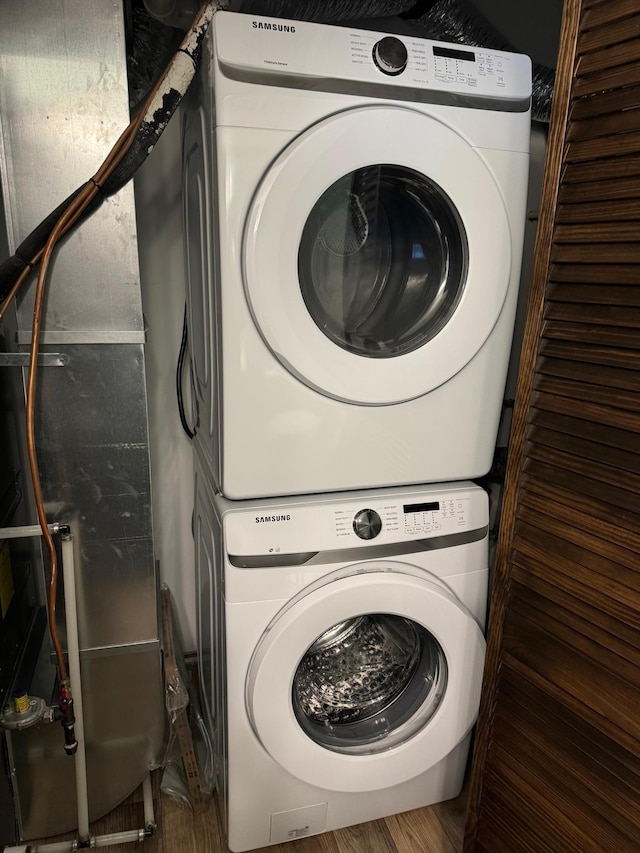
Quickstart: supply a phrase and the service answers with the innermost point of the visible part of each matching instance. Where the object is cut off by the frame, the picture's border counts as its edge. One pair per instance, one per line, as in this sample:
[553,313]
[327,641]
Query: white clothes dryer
[340,652]
[354,215]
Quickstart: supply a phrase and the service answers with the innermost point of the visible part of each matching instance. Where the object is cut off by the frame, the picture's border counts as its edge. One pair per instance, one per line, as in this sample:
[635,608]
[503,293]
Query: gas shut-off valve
[25,711]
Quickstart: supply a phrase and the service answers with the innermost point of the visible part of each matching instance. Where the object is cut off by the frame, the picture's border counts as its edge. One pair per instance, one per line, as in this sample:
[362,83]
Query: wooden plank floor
[434,829]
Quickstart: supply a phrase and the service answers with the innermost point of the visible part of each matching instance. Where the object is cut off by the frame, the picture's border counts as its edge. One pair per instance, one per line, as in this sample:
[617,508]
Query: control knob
[390,55]
[367,524]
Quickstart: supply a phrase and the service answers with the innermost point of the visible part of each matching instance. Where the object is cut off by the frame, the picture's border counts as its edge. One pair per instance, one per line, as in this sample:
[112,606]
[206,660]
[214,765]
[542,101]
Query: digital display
[427,507]
[451,53]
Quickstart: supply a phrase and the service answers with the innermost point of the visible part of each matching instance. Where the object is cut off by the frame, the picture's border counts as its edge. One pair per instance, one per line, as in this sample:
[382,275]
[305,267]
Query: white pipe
[73,651]
[119,837]
[113,838]
[129,835]
[147,793]
[26,531]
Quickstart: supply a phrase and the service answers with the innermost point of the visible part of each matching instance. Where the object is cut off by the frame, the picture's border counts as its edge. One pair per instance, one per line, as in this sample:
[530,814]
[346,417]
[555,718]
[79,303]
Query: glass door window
[382,261]
[369,683]
[376,255]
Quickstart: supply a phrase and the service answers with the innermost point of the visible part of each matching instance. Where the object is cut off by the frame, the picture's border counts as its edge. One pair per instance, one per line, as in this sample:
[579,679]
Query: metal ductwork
[63,103]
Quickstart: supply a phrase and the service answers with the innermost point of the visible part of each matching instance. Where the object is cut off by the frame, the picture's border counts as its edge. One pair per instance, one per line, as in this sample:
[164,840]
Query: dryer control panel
[319,57]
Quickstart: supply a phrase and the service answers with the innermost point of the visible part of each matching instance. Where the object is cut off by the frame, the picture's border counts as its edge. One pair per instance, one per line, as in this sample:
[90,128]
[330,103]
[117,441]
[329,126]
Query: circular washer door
[377,255]
[366,681]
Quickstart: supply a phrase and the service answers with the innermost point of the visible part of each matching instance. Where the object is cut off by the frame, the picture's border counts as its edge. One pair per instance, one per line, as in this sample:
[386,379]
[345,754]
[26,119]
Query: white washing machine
[354,215]
[340,652]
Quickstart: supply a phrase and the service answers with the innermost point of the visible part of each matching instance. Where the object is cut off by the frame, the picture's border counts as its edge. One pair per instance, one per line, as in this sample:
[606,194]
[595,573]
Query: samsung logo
[260,519]
[280,28]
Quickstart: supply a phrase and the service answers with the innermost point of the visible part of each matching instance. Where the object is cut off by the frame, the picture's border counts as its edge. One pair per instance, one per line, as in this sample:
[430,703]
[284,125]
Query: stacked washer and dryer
[354,215]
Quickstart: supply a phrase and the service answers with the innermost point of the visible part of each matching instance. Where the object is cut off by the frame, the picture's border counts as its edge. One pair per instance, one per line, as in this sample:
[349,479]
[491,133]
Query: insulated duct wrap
[323,11]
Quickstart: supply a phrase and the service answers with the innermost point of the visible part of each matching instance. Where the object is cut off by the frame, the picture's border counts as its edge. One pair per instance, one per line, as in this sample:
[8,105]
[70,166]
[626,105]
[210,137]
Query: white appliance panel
[279,782]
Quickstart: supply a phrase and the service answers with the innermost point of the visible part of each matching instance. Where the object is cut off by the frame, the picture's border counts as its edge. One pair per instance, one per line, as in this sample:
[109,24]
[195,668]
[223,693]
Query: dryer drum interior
[369,683]
[382,262]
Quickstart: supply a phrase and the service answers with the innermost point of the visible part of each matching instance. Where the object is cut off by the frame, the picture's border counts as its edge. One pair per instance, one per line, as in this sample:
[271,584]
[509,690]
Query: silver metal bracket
[22,359]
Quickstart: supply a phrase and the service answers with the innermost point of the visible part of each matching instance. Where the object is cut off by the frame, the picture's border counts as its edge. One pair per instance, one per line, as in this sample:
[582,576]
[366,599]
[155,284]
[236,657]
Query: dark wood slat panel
[590,294]
[612,457]
[599,336]
[606,212]
[609,315]
[582,546]
[607,146]
[581,782]
[608,57]
[598,14]
[588,430]
[544,685]
[570,351]
[511,809]
[611,579]
[605,102]
[570,726]
[566,828]
[599,232]
[499,826]
[564,589]
[578,635]
[596,191]
[613,33]
[565,614]
[560,555]
[602,253]
[604,274]
[579,173]
[591,506]
[572,673]
[587,392]
[610,78]
[604,125]
[617,499]
[579,371]
[604,415]
[604,528]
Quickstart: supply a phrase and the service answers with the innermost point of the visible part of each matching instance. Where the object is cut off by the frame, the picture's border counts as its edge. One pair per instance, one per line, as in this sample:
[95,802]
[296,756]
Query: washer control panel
[355,520]
[404,520]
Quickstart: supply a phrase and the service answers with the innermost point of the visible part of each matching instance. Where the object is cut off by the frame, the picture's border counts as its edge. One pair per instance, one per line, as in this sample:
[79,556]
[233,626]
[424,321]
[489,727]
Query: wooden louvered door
[557,757]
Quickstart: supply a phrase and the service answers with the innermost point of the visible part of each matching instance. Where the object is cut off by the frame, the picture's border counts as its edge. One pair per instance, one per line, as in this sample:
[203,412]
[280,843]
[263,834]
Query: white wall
[159,213]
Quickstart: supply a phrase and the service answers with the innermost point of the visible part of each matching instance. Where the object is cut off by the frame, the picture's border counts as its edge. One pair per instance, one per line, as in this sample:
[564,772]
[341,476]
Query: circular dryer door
[366,681]
[377,255]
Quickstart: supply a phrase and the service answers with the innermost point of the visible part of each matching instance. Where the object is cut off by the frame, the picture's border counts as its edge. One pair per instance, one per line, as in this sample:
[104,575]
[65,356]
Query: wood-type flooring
[434,829]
